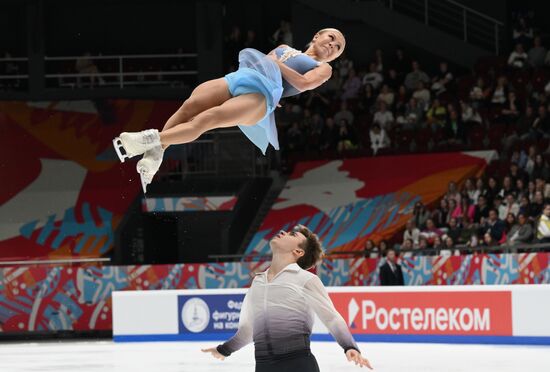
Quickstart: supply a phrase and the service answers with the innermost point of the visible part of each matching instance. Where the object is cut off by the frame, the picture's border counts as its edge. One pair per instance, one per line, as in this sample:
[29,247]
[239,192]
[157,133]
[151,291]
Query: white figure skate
[135,143]
[149,165]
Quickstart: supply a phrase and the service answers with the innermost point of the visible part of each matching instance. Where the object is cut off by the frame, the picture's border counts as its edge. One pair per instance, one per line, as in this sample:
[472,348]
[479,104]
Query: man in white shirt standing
[277,312]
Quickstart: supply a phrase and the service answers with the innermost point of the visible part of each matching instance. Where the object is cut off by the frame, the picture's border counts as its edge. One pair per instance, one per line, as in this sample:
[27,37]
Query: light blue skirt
[258,73]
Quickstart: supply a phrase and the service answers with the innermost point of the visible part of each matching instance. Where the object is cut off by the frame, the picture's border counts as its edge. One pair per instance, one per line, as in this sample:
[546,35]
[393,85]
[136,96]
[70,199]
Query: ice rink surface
[105,356]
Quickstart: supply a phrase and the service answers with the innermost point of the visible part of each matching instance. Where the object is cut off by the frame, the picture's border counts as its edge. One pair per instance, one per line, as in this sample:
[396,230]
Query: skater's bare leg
[205,96]
[246,109]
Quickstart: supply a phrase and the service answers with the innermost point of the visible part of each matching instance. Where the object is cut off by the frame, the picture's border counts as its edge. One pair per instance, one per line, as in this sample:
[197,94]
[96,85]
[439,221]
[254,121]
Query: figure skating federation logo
[195,315]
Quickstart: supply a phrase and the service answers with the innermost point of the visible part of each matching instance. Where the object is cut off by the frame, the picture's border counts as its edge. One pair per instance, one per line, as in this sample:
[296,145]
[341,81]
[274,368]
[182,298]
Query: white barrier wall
[461,314]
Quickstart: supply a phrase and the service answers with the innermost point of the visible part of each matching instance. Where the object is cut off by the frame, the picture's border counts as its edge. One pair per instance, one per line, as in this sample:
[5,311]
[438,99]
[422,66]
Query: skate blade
[144,182]
[117,144]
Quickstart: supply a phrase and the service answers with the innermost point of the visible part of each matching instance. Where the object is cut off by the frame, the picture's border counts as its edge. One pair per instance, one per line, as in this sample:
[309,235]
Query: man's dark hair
[313,250]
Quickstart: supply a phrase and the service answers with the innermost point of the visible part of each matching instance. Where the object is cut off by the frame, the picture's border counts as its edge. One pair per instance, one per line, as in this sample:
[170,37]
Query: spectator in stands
[509,207]
[344,114]
[524,206]
[518,58]
[494,226]
[479,93]
[442,80]
[448,248]
[386,96]
[411,232]
[415,76]
[467,210]
[482,209]
[413,114]
[531,190]
[517,174]
[541,170]
[431,231]
[368,99]
[500,93]
[373,77]
[422,96]
[441,214]
[452,192]
[489,241]
[406,248]
[541,125]
[537,204]
[480,188]
[509,220]
[497,202]
[455,210]
[383,116]
[390,272]
[421,215]
[507,187]
[436,115]
[454,129]
[371,250]
[470,191]
[543,186]
[437,244]
[346,137]
[85,65]
[351,86]
[423,246]
[393,80]
[492,190]
[521,232]
[454,231]
[401,99]
[537,53]
[469,114]
[512,110]
[543,225]
[379,138]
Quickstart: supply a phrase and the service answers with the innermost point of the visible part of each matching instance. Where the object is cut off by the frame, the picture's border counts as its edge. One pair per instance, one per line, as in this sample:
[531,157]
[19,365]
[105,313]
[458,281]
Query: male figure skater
[277,312]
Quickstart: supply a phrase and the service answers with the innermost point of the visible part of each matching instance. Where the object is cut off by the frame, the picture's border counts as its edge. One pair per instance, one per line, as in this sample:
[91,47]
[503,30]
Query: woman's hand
[356,357]
[215,353]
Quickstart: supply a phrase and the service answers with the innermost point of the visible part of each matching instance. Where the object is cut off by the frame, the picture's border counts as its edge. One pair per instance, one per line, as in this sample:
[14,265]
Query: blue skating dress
[258,73]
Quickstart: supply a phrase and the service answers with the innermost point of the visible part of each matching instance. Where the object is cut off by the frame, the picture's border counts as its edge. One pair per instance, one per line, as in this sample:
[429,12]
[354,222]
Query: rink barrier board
[503,314]
[436,339]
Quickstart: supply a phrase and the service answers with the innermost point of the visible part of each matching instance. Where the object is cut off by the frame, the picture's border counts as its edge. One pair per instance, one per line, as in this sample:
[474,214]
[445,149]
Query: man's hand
[356,357]
[215,353]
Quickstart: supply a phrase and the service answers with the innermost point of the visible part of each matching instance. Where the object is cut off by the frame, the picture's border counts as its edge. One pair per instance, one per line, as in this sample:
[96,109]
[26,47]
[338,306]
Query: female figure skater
[246,98]
[277,312]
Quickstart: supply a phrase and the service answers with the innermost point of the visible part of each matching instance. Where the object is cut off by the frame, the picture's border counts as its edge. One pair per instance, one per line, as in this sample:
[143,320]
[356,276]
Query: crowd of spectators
[395,106]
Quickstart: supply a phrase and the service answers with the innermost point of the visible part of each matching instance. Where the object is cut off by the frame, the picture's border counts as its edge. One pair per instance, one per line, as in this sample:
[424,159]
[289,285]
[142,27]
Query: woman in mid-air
[245,98]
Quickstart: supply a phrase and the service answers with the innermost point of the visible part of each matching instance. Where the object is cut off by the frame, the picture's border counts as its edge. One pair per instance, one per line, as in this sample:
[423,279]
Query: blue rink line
[438,339]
